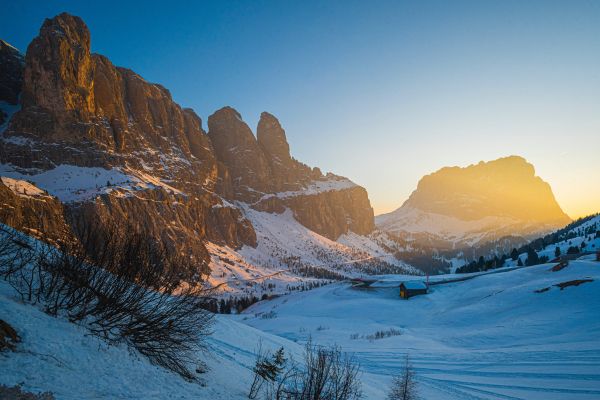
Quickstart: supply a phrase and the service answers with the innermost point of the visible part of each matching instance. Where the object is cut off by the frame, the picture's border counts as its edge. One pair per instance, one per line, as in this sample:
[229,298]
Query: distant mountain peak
[486,196]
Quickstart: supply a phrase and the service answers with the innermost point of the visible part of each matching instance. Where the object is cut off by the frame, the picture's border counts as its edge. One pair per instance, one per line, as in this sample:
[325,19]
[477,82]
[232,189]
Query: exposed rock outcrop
[79,109]
[506,187]
[253,169]
[236,147]
[330,213]
[271,137]
[32,211]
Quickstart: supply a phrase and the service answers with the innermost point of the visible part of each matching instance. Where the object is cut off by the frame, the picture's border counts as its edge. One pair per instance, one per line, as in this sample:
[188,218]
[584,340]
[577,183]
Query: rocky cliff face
[25,207]
[112,146]
[11,77]
[261,171]
[506,187]
[78,101]
[478,203]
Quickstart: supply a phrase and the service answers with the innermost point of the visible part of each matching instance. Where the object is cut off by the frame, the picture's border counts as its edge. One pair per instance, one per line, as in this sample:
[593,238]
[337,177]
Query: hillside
[576,239]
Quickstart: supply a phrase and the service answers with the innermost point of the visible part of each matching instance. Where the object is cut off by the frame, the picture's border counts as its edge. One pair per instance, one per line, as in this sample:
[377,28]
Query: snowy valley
[514,334]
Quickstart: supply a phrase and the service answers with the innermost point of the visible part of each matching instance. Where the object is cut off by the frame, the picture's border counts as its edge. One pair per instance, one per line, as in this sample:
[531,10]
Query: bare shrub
[16,252]
[326,374]
[129,290]
[404,386]
[8,336]
[383,334]
[268,315]
[16,393]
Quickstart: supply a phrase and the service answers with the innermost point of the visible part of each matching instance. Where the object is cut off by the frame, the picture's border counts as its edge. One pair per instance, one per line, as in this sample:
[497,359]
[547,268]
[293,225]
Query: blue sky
[381,92]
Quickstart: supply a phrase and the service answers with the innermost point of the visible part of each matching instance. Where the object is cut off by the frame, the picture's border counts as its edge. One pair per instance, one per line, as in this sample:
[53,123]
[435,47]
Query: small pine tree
[267,368]
[514,254]
[520,263]
[481,262]
[532,257]
[557,252]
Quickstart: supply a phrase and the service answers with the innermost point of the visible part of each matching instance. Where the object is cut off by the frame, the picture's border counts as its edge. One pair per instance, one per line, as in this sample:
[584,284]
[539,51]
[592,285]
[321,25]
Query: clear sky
[380,92]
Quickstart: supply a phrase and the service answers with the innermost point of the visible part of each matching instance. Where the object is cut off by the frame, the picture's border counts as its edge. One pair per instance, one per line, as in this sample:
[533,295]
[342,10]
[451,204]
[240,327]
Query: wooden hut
[409,289]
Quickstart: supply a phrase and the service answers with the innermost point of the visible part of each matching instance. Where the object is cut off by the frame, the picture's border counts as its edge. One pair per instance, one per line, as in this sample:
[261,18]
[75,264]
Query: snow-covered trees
[404,386]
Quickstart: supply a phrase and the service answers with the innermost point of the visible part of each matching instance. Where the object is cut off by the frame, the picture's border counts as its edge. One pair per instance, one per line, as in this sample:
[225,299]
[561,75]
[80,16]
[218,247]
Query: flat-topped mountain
[478,203]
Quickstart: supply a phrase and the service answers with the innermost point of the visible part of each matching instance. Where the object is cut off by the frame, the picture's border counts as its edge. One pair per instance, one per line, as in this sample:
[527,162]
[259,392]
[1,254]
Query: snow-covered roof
[414,285]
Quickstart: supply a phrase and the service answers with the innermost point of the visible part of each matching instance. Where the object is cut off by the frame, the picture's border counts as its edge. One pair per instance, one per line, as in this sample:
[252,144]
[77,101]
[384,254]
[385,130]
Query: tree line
[531,249]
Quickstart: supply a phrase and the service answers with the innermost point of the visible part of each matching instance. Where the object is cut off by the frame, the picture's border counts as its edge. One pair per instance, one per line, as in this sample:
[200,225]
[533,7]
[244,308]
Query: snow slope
[60,357]
[491,337]
[70,183]
[282,240]
[327,184]
[284,247]
[412,222]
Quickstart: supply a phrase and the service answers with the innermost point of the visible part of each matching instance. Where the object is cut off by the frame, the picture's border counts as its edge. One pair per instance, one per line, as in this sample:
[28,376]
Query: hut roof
[414,285]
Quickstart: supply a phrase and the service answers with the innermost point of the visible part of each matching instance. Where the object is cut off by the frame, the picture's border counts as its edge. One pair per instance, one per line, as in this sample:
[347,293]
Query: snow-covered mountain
[463,207]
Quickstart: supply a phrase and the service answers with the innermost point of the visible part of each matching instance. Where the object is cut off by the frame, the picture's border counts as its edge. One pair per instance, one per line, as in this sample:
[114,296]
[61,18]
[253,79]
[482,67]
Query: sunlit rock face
[478,203]
[113,147]
[236,147]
